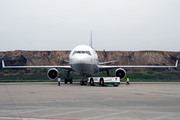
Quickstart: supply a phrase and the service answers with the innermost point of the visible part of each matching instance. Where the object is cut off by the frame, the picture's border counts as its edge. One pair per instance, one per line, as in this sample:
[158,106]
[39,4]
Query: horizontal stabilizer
[108,62]
[66,61]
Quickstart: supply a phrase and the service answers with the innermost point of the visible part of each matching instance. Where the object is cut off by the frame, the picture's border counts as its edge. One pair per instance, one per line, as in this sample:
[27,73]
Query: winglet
[3,65]
[176,63]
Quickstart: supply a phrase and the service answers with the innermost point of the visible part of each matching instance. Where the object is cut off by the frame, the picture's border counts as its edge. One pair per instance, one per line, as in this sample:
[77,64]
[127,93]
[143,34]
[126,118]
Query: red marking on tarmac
[37,117]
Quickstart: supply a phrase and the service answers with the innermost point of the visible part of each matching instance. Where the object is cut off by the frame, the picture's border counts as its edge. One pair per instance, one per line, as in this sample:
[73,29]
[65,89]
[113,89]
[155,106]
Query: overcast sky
[123,25]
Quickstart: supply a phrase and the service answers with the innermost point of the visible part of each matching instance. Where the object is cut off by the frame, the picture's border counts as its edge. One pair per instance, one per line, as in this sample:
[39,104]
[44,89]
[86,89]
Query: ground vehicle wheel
[101,83]
[115,85]
[91,82]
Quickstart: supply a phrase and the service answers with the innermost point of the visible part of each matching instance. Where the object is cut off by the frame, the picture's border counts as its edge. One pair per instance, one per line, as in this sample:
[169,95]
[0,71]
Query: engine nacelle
[53,73]
[120,73]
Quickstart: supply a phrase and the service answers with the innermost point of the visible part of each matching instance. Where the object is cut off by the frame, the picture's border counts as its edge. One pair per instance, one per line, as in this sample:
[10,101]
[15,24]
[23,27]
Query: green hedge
[137,76]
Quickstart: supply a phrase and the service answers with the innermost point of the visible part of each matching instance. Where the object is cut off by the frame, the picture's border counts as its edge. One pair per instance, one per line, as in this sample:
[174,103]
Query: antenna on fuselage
[91,40]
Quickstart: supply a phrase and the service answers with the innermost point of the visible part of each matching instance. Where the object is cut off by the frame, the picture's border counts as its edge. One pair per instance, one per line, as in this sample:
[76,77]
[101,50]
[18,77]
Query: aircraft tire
[81,83]
[71,81]
[65,81]
[85,82]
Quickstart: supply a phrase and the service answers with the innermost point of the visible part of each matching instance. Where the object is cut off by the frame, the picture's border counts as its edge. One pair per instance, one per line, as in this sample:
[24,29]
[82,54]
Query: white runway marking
[11,118]
[96,117]
[161,117]
[29,111]
[66,113]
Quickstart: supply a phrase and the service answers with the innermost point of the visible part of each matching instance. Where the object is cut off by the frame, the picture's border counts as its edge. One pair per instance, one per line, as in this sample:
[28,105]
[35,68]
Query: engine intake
[120,73]
[53,74]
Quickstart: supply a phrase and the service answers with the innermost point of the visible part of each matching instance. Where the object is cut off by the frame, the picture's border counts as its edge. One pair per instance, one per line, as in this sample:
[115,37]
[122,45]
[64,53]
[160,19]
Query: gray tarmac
[48,101]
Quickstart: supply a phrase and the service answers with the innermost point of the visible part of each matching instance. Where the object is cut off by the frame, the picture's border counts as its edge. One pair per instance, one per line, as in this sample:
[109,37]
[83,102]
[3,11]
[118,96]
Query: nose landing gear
[83,82]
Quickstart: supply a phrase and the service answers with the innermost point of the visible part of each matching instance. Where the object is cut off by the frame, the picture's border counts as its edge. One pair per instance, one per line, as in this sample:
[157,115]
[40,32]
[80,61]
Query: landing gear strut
[68,80]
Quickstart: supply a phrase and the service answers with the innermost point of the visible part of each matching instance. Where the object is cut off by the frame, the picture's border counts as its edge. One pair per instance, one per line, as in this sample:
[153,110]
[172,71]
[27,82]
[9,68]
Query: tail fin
[91,40]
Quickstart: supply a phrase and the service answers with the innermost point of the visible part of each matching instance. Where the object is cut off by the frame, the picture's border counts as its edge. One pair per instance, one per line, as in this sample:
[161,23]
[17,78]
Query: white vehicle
[103,81]
[83,60]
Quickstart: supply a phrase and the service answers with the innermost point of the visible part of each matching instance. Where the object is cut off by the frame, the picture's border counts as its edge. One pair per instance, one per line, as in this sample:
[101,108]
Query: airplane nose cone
[81,59]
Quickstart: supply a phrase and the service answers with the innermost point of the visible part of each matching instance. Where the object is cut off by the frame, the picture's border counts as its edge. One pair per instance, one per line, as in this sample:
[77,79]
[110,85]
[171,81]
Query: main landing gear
[83,82]
[68,79]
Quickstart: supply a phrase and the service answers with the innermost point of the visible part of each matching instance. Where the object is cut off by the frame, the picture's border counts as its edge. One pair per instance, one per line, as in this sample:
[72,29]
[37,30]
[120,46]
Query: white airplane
[83,60]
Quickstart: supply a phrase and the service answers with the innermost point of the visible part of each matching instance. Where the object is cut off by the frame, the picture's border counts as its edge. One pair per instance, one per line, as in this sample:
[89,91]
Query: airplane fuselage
[84,60]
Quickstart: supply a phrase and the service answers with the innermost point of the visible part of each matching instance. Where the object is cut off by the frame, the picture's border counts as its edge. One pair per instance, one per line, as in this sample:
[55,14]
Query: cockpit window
[74,52]
[81,52]
[88,52]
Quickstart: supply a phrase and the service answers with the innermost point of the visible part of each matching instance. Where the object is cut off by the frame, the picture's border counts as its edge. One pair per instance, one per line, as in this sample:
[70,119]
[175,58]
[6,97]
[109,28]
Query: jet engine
[53,74]
[120,73]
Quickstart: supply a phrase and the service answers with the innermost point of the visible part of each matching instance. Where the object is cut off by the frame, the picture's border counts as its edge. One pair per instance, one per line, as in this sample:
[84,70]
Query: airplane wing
[68,68]
[106,68]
